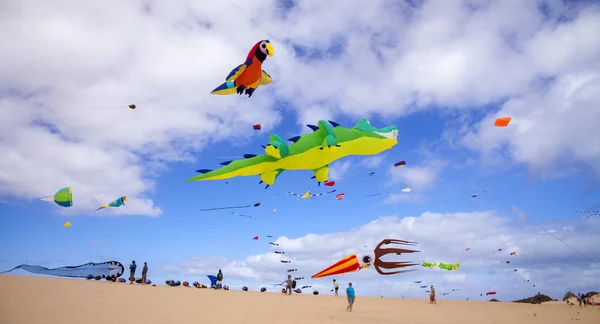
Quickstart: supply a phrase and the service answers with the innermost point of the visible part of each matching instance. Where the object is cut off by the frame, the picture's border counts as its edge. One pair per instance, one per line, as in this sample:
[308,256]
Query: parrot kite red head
[260,50]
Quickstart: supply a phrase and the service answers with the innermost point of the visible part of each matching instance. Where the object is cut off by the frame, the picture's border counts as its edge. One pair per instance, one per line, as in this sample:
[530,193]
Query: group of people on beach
[133,267]
[349,294]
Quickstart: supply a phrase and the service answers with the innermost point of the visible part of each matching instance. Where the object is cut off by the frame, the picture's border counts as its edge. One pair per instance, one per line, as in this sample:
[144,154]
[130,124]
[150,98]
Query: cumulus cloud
[441,238]
[66,80]
[373,161]
[339,169]
[417,177]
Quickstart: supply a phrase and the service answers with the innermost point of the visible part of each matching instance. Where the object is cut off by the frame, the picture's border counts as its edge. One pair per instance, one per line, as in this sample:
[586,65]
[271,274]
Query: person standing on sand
[336,287]
[351,296]
[219,279]
[288,285]
[144,273]
[432,295]
[132,268]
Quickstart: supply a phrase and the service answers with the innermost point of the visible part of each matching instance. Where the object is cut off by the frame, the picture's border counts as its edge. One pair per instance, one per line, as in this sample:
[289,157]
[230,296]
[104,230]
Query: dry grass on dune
[43,300]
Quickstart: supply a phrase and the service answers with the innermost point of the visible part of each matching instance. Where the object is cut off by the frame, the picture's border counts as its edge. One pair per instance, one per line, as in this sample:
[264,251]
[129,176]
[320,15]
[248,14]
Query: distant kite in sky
[352,263]
[278,252]
[330,183]
[340,196]
[103,270]
[256,126]
[467,249]
[132,106]
[428,265]
[273,243]
[308,194]
[62,197]
[286,261]
[400,164]
[246,77]
[255,238]
[67,224]
[449,266]
[502,121]
[314,151]
[116,203]
[230,207]
[405,190]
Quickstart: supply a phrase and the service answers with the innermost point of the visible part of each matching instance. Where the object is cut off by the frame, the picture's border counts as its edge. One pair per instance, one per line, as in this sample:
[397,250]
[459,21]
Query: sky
[442,71]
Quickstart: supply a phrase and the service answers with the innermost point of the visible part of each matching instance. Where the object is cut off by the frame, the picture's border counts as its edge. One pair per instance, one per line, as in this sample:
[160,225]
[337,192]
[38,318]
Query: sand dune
[40,300]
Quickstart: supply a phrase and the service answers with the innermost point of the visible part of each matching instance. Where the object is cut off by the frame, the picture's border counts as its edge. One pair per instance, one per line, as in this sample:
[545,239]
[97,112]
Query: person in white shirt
[336,287]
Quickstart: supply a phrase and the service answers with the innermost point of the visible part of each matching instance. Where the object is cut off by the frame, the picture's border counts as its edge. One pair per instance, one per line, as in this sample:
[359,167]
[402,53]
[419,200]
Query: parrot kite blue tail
[226,88]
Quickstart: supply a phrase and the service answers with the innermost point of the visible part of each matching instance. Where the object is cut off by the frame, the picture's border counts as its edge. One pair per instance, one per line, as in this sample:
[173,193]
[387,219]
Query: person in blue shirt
[132,268]
[350,295]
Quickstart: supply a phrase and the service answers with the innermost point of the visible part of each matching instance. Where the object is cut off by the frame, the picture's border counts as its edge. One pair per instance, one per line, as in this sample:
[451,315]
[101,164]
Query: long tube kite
[352,263]
[246,77]
[115,203]
[313,151]
[102,269]
[63,197]
[230,207]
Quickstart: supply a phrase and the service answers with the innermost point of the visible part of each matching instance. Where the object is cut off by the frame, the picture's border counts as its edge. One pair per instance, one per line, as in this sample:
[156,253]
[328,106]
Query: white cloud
[441,238]
[339,169]
[66,80]
[417,177]
[373,161]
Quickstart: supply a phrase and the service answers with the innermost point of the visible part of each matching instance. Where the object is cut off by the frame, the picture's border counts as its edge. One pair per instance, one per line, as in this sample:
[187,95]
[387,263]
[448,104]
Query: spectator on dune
[132,268]
[432,295]
[336,287]
[219,279]
[351,296]
[288,285]
[144,273]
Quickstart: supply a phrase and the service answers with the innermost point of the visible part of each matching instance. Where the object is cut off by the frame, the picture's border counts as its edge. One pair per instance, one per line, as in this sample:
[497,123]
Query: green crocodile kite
[313,151]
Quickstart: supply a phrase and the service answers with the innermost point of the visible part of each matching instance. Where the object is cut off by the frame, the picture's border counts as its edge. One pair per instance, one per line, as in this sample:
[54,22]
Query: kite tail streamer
[103,269]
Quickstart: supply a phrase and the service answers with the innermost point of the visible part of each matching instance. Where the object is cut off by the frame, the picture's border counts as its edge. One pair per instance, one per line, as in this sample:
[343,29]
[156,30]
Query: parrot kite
[246,77]
[116,203]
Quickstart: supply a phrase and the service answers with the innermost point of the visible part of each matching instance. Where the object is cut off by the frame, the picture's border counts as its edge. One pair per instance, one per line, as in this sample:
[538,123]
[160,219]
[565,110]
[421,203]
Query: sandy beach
[43,300]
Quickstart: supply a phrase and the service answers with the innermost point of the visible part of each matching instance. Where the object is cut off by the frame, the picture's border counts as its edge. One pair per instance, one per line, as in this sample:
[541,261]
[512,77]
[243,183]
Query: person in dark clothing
[219,279]
[132,268]
[144,273]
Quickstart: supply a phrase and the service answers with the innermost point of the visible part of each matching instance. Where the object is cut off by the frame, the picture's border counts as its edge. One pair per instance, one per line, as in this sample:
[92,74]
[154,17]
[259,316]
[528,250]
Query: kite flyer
[351,296]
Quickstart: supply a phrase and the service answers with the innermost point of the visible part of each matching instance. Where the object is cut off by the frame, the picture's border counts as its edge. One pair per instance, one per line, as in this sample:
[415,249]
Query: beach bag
[294,284]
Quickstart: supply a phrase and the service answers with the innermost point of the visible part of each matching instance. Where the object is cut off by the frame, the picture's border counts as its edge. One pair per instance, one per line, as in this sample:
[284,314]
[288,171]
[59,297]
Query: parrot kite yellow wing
[116,203]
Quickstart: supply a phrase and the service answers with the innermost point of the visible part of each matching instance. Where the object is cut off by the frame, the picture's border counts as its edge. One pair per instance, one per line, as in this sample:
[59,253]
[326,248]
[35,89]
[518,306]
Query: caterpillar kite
[313,151]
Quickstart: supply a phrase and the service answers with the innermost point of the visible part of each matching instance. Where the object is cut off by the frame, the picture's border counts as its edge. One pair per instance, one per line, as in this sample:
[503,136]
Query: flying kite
[299,278]
[502,121]
[313,151]
[132,106]
[67,224]
[330,183]
[405,190]
[246,77]
[62,197]
[256,126]
[241,215]
[419,281]
[308,194]
[513,253]
[490,293]
[255,238]
[292,270]
[116,203]
[231,207]
[286,261]
[104,269]
[273,243]
[428,265]
[278,252]
[340,196]
[449,267]
[467,249]
[423,287]
[400,164]
[352,263]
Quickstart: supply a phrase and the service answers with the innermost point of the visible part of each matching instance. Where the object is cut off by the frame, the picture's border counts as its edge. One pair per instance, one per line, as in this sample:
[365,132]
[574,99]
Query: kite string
[376,115]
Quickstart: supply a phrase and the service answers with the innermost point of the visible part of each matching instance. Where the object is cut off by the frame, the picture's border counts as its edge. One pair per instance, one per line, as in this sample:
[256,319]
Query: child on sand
[432,295]
[350,295]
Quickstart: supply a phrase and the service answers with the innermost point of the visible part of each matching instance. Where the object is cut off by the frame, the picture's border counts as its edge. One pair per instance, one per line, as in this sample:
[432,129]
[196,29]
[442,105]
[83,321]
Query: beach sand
[41,300]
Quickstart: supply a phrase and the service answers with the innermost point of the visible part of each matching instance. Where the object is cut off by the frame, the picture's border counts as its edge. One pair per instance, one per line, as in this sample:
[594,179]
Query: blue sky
[441,86]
